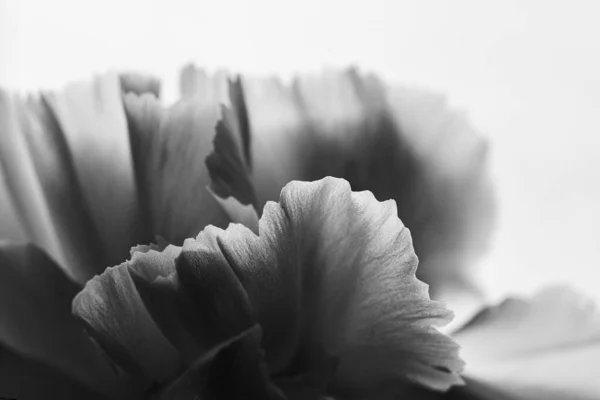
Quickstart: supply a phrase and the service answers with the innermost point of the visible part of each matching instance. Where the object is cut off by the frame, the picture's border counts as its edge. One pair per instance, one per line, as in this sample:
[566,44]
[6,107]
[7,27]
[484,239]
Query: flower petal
[543,348]
[206,88]
[41,178]
[190,312]
[278,137]
[163,310]
[93,122]
[234,369]
[457,188]
[169,149]
[112,309]
[333,271]
[35,318]
[139,84]
[11,227]
[229,164]
[346,125]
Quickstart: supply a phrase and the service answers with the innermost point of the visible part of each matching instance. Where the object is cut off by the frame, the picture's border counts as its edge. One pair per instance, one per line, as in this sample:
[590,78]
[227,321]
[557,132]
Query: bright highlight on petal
[331,275]
[329,279]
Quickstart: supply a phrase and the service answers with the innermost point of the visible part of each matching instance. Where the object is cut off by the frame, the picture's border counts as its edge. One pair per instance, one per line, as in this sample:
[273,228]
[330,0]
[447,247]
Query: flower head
[315,294]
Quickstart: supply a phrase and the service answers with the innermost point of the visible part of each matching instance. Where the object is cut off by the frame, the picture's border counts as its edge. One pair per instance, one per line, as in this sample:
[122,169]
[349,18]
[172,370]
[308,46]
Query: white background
[527,72]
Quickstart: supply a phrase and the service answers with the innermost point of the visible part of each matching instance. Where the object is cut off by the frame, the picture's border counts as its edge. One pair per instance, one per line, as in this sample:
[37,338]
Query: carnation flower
[297,285]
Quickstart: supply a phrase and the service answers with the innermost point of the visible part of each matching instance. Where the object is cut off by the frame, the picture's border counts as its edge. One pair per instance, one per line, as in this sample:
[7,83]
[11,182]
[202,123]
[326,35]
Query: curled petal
[355,127]
[332,274]
[229,164]
[158,313]
[116,317]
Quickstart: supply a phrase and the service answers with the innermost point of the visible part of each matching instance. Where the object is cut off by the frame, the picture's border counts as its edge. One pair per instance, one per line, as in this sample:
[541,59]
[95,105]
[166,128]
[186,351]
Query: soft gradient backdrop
[527,72]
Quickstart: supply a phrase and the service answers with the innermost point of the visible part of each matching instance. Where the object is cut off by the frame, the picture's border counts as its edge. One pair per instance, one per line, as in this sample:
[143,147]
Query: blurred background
[527,72]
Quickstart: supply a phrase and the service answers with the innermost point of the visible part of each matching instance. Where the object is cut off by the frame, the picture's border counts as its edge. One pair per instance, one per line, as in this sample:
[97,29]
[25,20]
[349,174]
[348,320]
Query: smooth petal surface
[546,347]
[36,323]
[207,88]
[93,121]
[44,186]
[20,177]
[331,274]
[60,152]
[278,136]
[169,150]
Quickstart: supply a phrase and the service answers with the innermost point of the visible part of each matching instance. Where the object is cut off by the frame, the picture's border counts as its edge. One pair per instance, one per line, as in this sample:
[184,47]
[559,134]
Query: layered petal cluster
[318,297]
[398,143]
[326,290]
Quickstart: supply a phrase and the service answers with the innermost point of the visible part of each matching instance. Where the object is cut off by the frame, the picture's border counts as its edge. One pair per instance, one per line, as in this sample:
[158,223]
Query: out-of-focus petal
[234,369]
[11,227]
[206,88]
[278,137]
[169,149]
[453,217]
[347,125]
[92,119]
[229,164]
[140,84]
[67,164]
[332,275]
[117,319]
[543,348]
[44,186]
[27,379]
[35,319]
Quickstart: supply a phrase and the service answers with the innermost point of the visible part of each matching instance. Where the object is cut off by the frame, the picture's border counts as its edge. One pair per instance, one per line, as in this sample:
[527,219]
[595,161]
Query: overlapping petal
[169,150]
[68,167]
[355,127]
[330,279]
